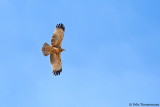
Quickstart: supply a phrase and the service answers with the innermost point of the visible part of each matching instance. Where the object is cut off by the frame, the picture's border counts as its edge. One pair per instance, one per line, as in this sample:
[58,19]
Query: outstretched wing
[56,63]
[58,35]
[56,41]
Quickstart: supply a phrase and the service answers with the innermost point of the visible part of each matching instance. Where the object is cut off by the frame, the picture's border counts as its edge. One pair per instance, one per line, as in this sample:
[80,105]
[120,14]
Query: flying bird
[54,50]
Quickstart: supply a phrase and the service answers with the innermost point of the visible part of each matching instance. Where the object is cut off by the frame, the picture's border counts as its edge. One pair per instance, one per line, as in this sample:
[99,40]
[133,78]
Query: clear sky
[112,55]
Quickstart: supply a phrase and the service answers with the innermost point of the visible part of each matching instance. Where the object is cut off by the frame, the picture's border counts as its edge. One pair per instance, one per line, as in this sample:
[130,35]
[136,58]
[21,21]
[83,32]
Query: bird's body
[54,50]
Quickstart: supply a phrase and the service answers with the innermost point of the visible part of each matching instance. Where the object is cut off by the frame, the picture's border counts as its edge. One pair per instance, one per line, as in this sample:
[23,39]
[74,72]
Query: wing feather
[58,35]
[56,63]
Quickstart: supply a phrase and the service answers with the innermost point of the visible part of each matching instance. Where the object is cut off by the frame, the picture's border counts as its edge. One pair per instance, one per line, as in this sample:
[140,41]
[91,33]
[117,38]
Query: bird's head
[62,50]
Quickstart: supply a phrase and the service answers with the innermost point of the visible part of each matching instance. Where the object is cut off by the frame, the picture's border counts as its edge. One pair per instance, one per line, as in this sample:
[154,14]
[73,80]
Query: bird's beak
[63,50]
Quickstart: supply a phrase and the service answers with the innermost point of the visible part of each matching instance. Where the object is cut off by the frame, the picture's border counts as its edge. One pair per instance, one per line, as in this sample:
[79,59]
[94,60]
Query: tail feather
[45,49]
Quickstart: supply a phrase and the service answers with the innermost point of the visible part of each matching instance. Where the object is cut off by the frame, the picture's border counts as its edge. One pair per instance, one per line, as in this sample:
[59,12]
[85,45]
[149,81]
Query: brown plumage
[55,49]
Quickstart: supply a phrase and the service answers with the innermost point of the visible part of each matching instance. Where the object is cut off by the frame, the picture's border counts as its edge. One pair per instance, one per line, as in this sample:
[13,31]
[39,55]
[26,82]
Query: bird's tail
[46,49]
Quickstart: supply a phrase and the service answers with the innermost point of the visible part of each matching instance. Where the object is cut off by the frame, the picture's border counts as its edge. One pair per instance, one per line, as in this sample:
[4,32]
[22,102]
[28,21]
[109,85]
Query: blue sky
[111,58]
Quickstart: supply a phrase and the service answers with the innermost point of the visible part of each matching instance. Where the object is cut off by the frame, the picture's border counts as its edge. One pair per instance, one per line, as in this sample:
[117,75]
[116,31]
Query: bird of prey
[54,50]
